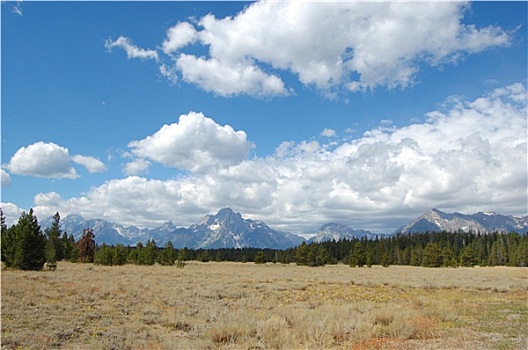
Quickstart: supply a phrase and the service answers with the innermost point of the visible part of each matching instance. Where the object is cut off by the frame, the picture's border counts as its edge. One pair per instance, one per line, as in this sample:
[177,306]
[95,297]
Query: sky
[293,113]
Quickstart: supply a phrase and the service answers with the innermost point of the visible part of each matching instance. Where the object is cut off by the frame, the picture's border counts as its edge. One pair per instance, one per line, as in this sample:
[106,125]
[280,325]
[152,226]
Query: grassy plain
[247,306]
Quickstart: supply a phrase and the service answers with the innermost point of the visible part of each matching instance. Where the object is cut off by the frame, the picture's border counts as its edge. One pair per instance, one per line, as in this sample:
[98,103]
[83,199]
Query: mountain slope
[436,220]
[105,232]
[226,229]
[337,232]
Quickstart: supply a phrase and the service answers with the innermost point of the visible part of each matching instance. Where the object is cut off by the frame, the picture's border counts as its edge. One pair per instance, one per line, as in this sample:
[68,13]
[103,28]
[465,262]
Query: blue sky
[296,114]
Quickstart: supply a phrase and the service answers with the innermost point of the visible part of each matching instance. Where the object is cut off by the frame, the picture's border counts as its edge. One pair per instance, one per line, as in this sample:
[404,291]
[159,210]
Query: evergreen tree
[204,256]
[432,255]
[448,258]
[103,255]
[86,246]
[301,254]
[415,258]
[54,246]
[149,254]
[180,262]
[385,259]
[119,255]
[3,226]
[260,257]
[135,255]
[323,257]
[369,258]
[467,257]
[357,255]
[23,245]
[167,255]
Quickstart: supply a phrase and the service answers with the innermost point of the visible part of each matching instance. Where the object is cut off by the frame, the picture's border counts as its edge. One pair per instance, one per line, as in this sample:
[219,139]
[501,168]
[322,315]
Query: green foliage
[54,246]
[260,258]
[385,259]
[182,257]
[432,255]
[311,255]
[204,256]
[24,245]
[103,255]
[70,250]
[357,255]
[149,253]
[168,255]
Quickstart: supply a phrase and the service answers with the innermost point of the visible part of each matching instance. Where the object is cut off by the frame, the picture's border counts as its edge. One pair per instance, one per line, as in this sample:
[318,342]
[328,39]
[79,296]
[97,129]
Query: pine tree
[357,255]
[23,245]
[385,259]
[467,257]
[301,254]
[54,246]
[148,255]
[432,255]
[204,256]
[167,255]
[119,255]
[103,255]
[3,226]
[180,262]
[260,257]
[323,257]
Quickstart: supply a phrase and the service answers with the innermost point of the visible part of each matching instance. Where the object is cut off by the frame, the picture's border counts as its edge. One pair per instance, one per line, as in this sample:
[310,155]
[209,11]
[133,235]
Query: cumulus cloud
[49,160]
[42,160]
[195,143]
[136,167]
[11,213]
[224,79]
[328,132]
[179,36]
[131,50]
[91,164]
[468,156]
[332,46]
[6,178]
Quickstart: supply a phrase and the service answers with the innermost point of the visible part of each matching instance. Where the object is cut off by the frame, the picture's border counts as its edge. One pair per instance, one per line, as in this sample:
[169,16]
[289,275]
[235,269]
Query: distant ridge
[225,229]
[337,232]
[228,229]
[435,220]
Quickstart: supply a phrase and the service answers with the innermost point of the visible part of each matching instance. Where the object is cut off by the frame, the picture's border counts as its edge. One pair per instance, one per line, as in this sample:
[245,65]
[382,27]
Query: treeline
[25,246]
[433,249]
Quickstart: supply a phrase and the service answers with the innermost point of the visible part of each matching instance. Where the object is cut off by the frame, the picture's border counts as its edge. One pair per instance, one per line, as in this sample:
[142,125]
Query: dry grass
[248,306]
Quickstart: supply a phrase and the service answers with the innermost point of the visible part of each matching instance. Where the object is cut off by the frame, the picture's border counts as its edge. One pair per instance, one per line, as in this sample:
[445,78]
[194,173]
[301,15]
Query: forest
[25,246]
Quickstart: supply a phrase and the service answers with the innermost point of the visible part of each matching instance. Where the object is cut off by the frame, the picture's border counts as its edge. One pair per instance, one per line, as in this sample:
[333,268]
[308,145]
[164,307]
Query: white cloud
[195,143]
[92,164]
[42,160]
[131,50]
[179,36]
[136,167]
[223,79]
[328,132]
[11,213]
[471,156]
[6,178]
[333,46]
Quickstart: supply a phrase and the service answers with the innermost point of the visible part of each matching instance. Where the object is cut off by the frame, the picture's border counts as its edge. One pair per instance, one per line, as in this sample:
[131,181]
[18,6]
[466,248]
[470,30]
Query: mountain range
[225,229]
[228,229]
[435,220]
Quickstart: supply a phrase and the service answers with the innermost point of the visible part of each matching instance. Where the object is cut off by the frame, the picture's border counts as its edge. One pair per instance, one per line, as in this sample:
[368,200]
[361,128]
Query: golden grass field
[273,306]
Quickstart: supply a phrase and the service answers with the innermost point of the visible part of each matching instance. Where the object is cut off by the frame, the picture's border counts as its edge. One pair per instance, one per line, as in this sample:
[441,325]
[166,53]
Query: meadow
[270,306]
